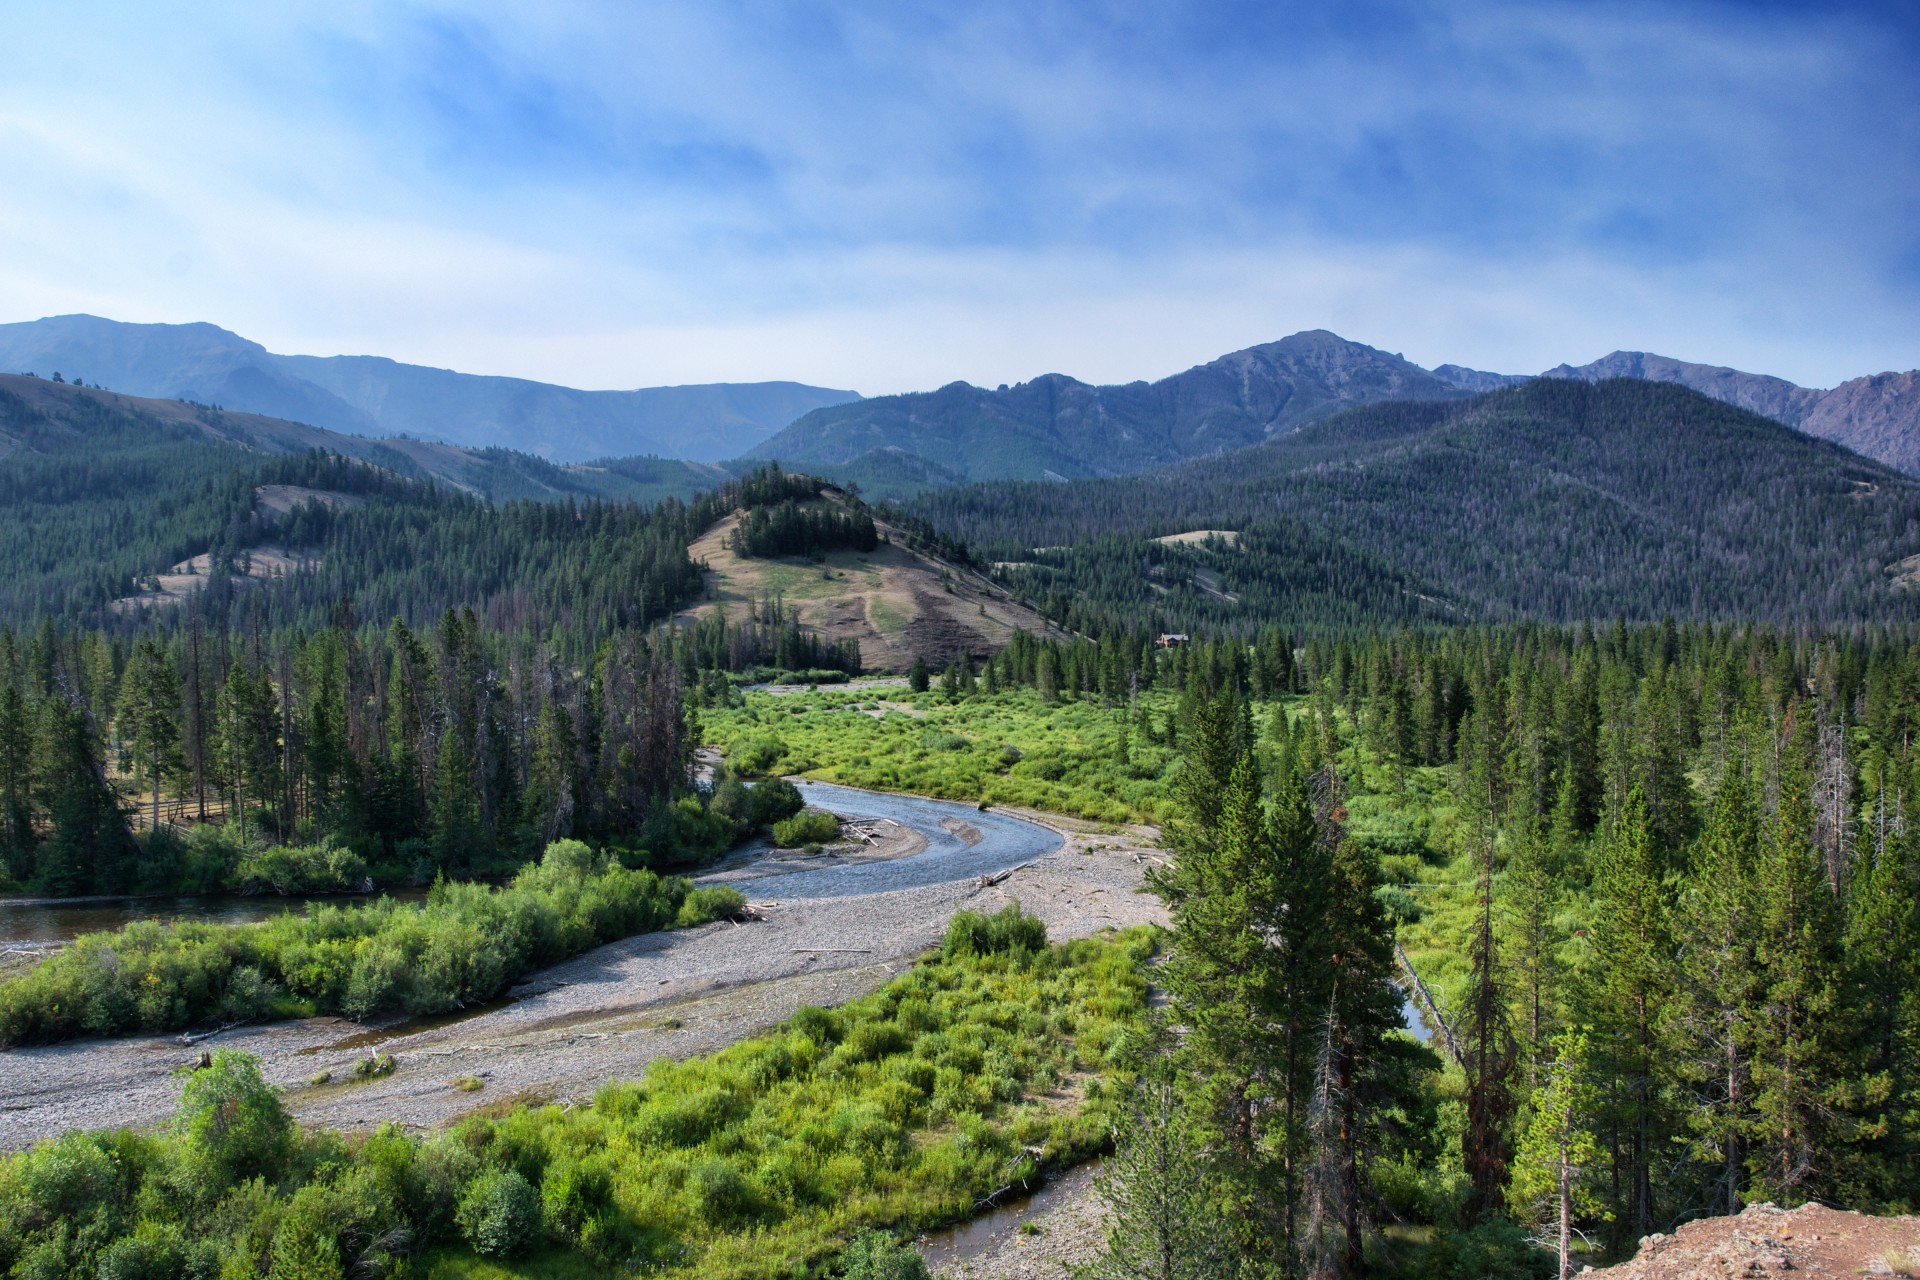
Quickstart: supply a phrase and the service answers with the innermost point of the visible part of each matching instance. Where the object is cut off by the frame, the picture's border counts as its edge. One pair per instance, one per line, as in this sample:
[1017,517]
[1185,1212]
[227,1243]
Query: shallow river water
[44,921]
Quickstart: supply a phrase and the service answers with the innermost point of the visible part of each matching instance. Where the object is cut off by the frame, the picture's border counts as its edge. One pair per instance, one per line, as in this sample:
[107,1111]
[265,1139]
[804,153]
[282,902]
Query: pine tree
[1627,993]
[1156,1187]
[1558,1155]
[16,781]
[1797,1052]
[150,717]
[1883,957]
[1715,919]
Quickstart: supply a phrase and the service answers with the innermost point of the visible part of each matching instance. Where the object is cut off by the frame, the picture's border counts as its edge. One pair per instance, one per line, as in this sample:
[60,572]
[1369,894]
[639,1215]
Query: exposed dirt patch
[895,602]
[187,577]
[278,499]
[1906,573]
[1767,1241]
[1194,536]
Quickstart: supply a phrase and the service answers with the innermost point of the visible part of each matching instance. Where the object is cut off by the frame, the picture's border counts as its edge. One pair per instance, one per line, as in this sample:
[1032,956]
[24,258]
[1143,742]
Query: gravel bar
[835,928]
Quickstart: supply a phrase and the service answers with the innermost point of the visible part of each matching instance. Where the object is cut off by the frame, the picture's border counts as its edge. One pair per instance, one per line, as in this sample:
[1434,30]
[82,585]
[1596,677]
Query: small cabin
[1172,639]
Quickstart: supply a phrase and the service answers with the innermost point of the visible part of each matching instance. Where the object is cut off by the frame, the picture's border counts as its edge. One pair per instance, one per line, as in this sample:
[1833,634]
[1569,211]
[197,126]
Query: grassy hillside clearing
[898,603]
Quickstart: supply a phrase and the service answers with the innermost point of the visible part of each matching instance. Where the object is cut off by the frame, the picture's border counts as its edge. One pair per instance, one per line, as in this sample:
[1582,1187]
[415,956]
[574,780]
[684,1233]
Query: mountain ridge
[1057,427]
[377,396]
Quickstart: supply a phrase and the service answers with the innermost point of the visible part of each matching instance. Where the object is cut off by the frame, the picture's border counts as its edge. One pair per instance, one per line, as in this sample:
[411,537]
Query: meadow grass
[903,1110]
[1072,757]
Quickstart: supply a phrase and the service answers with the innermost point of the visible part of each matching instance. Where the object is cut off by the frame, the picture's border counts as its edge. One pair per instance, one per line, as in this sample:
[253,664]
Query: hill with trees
[102,493]
[1553,500]
[1877,415]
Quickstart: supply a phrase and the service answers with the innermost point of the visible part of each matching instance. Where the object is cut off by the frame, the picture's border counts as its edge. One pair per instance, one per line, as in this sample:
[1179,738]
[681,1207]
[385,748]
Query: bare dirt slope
[899,604]
[1769,1241]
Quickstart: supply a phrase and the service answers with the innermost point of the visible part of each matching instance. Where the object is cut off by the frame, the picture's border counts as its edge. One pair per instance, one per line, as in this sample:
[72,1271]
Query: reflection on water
[971,1239]
[44,921]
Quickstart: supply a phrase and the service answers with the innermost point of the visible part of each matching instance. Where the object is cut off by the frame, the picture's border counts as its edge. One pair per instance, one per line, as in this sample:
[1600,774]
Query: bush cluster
[899,1110]
[813,826]
[464,944]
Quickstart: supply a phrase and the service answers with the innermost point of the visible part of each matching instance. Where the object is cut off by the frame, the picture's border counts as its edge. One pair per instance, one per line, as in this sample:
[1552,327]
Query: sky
[891,196]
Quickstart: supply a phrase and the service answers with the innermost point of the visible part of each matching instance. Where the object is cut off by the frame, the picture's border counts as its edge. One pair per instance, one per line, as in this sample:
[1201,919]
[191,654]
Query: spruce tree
[1798,1051]
[1718,1009]
[1627,992]
[1162,1223]
[1557,1156]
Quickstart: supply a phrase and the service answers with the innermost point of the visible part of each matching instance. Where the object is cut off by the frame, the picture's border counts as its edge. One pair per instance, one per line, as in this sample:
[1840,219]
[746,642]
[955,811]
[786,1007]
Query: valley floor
[830,933]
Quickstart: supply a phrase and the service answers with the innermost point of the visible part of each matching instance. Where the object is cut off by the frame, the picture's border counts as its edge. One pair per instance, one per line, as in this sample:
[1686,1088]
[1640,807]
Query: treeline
[790,529]
[1113,665]
[1662,901]
[1235,582]
[408,550]
[921,535]
[765,643]
[459,749]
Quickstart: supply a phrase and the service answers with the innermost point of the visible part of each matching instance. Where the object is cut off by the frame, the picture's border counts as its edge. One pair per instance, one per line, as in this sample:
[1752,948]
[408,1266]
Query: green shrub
[710,902]
[499,1213]
[774,799]
[375,1066]
[814,826]
[757,756]
[463,945]
[1009,931]
[719,1194]
[231,1122]
[314,868]
[1495,1250]
[874,1255]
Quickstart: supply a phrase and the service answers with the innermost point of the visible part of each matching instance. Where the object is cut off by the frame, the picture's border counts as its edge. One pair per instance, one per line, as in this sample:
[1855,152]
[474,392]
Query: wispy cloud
[890,196]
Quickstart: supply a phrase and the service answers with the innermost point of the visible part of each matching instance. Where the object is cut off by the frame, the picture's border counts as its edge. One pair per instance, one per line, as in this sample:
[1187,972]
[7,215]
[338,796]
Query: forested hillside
[100,493]
[1553,500]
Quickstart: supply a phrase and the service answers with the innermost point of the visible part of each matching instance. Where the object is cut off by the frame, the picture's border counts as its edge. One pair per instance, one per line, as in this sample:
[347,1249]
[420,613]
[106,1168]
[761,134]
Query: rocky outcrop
[1878,416]
[1768,1241]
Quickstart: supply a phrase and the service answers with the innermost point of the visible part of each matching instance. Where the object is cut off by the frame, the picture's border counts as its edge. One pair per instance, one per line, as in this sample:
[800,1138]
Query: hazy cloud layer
[889,196]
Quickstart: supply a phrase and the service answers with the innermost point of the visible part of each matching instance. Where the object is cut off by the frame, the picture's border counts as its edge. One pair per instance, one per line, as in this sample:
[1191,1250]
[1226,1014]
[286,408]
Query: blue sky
[890,196]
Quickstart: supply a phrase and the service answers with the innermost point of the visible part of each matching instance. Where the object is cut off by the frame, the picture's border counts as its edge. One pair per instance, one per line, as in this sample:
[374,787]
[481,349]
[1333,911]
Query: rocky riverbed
[834,927]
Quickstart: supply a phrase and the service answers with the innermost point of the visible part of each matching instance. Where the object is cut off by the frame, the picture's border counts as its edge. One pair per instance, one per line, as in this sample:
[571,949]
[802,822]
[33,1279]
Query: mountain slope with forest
[1557,499]
[100,494]
[1056,427]
[1877,415]
[371,395]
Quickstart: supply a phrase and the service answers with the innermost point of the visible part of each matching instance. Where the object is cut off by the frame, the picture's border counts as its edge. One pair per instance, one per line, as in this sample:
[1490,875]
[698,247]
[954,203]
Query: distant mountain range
[1051,428]
[1057,428]
[373,396]
[498,474]
[1555,499]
